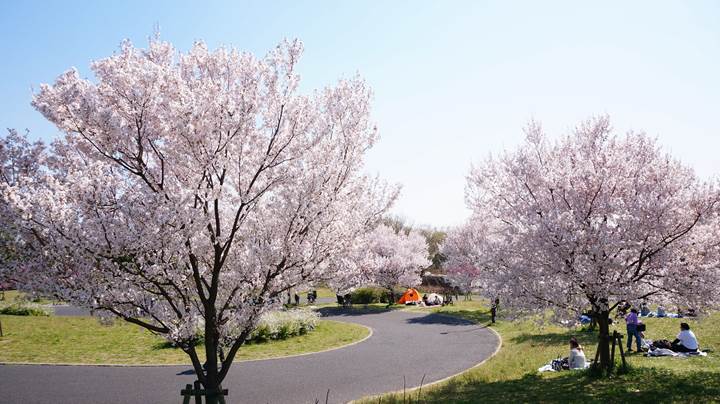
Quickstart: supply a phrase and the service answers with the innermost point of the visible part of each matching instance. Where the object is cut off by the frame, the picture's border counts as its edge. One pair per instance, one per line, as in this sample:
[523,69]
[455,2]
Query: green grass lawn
[13,296]
[511,376]
[325,292]
[84,340]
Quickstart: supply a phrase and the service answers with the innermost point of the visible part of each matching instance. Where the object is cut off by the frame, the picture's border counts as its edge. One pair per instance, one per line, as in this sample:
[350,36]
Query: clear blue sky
[454,80]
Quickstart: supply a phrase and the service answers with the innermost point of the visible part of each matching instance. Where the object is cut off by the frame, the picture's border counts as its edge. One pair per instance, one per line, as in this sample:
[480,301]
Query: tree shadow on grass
[639,386]
[557,338]
[163,345]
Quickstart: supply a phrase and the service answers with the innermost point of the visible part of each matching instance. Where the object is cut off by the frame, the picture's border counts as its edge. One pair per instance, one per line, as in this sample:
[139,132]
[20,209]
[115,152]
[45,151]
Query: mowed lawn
[511,376]
[13,296]
[85,340]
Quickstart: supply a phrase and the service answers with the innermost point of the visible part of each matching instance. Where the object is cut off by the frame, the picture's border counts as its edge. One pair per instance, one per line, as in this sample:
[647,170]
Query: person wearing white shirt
[576,360]
[686,340]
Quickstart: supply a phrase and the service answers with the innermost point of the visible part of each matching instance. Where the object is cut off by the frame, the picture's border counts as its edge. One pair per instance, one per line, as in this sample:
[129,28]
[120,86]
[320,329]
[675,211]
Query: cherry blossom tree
[354,267]
[396,258]
[21,162]
[469,264]
[192,190]
[461,265]
[592,219]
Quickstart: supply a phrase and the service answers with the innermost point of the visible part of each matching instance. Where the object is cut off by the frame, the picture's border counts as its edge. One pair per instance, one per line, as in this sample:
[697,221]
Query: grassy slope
[511,375]
[13,296]
[325,292]
[84,340]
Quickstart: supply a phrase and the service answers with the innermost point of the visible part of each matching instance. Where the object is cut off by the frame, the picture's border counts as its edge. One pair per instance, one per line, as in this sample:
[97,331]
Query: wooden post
[612,352]
[186,393]
[597,355]
[199,392]
[196,390]
[1,334]
[622,352]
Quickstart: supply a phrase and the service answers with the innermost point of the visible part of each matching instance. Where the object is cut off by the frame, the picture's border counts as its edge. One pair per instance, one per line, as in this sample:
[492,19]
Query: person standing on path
[493,309]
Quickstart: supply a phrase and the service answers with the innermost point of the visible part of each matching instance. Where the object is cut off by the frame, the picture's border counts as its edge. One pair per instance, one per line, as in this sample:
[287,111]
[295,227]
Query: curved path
[403,344]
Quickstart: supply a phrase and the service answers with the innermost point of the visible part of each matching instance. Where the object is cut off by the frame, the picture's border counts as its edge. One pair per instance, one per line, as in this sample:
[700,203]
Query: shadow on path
[352,311]
[434,318]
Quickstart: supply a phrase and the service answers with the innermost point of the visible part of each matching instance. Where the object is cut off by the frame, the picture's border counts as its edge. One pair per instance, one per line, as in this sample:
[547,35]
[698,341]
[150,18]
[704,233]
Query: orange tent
[410,296]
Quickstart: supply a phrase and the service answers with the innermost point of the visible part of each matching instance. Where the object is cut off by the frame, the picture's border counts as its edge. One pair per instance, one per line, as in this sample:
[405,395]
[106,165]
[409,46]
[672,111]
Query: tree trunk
[392,297]
[212,380]
[603,320]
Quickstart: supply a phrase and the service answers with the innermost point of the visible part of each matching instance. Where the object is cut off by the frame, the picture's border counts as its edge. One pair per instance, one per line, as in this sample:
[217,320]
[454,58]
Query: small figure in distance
[623,308]
[644,309]
[494,308]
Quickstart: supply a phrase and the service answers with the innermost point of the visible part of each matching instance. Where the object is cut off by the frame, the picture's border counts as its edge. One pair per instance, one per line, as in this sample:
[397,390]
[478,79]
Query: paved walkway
[403,344]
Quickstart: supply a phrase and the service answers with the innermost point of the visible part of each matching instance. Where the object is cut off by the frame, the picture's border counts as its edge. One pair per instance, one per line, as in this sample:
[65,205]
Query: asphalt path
[405,347]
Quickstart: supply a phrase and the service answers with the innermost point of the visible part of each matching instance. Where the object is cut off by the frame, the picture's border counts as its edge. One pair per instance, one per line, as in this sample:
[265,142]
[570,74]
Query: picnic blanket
[549,368]
[669,352]
[666,315]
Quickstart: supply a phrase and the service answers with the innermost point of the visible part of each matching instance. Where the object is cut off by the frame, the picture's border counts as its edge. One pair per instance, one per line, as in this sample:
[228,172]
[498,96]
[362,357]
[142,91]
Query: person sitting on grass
[686,340]
[576,360]
[644,309]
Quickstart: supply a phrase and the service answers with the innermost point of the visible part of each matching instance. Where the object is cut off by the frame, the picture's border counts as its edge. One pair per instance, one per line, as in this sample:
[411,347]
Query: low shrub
[275,325]
[368,295]
[284,324]
[23,310]
[386,295]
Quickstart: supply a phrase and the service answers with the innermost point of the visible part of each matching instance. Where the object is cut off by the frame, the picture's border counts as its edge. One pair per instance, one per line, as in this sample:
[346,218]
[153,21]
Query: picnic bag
[560,364]
[662,343]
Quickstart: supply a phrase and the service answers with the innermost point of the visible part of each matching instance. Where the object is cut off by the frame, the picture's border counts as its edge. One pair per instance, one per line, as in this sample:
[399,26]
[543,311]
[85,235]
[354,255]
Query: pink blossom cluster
[385,258]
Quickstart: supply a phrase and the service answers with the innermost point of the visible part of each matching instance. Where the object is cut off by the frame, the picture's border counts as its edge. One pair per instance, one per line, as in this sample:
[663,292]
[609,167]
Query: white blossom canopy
[195,188]
[595,216]
[396,259]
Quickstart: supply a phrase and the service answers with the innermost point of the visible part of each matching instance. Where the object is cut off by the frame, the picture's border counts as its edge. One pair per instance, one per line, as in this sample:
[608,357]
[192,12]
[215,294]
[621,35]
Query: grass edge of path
[351,334]
[511,373]
[419,388]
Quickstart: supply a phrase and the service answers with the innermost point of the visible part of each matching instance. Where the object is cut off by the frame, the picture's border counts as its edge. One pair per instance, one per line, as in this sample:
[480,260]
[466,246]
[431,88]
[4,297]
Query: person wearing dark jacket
[493,309]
